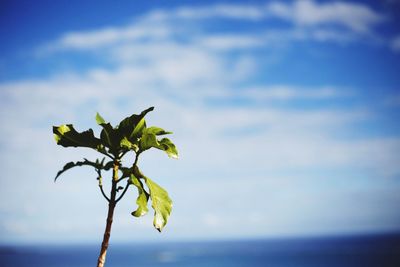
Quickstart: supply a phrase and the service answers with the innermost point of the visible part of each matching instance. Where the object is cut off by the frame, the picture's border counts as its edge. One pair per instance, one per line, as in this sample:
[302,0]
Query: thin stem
[106,154]
[101,185]
[110,215]
[133,166]
[104,194]
[137,158]
[123,193]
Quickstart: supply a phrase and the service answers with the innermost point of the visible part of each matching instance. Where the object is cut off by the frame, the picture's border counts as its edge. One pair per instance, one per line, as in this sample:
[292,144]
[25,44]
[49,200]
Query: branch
[133,166]
[104,194]
[137,158]
[101,185]
[106,154]
[123,193]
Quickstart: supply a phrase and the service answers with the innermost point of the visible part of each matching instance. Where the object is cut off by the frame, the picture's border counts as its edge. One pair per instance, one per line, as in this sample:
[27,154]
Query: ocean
[361,251]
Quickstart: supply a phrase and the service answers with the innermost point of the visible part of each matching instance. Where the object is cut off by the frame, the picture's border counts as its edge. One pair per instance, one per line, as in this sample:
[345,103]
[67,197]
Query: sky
[285,115]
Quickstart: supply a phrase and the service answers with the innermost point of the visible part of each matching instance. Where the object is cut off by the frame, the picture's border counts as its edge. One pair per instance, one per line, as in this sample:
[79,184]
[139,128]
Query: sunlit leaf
[149,139]
[142,198]
[99,119]
[168,147]
[161,203]
[125,143]
[156,130]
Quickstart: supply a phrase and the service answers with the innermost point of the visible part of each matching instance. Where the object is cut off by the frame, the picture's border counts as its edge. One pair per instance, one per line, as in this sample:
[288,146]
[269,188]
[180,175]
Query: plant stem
[110,215]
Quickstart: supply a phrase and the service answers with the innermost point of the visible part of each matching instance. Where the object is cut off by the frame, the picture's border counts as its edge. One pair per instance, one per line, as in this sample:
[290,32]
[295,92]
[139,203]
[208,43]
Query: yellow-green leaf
[99,119]
[142,198]
[160,202]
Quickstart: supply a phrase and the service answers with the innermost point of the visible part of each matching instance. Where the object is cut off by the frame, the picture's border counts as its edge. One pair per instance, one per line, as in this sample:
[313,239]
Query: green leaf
[157,131]
[161,204]
[138,130]
[125,143]
[99,119]
[96,165]
[110,137]
[149,140]
[132,127]
[169,148]
[142,199]
[66,136]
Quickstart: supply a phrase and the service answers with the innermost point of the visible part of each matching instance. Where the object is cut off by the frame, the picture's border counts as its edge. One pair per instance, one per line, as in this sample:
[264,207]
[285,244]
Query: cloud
[338,22]
[356,17]
[107,36]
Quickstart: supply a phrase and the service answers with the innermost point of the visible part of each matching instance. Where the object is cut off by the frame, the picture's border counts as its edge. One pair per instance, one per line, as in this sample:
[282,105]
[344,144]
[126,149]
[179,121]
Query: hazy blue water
[379,251]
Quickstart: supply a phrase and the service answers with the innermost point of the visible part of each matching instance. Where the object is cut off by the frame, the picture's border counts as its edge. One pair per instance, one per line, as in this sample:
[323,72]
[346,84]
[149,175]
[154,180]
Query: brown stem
[111,206]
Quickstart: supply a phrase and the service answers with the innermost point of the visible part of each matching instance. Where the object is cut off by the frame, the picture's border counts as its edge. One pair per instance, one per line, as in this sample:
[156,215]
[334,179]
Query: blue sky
[285,114]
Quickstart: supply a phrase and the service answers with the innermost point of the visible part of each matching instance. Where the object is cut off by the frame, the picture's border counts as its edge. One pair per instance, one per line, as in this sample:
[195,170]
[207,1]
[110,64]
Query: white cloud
[229,42]
[311,21]
[87,40]
[353,16]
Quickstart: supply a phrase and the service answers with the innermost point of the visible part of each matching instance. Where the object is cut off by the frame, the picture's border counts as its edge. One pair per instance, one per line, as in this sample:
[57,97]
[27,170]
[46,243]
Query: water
[367,251]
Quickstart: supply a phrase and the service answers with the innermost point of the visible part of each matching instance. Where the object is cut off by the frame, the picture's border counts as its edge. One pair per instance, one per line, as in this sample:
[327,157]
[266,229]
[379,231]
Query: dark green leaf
[69,165]
[132,127]
[66,136]
[110,137]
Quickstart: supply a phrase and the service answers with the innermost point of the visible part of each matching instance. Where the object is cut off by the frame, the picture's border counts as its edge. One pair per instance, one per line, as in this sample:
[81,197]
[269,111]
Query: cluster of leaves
[131,134]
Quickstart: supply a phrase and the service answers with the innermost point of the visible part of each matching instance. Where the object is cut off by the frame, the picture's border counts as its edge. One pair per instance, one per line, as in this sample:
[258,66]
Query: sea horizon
[367,250]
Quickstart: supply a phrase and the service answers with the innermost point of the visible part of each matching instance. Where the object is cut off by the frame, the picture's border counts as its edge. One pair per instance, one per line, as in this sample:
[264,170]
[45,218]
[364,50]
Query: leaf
[69,165]
[110,137]
[157,131]
[66,136]
[169,148]
[132,127]
[99,119]
[149,140]
[125,143]
[142,199]
[161,204]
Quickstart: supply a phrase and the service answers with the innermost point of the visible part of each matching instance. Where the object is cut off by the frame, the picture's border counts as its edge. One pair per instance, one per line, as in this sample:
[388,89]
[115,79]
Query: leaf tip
[99,119]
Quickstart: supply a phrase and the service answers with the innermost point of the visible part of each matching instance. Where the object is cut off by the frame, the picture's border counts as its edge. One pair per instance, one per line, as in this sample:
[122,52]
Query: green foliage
[97,165]
[130,135]
[142,199]
[161,204]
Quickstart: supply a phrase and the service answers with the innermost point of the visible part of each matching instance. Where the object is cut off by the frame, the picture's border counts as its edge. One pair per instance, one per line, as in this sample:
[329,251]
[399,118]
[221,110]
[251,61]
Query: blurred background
[285,114]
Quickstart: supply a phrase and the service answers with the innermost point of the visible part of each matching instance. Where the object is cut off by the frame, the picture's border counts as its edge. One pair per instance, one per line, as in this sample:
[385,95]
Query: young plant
[131,134]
